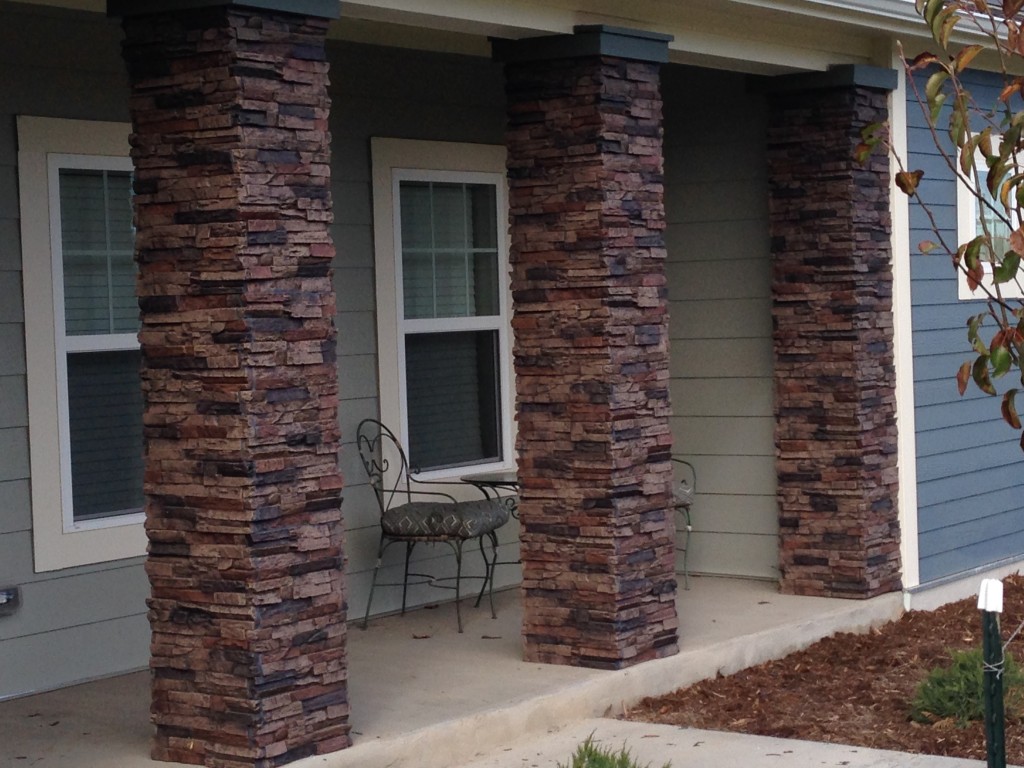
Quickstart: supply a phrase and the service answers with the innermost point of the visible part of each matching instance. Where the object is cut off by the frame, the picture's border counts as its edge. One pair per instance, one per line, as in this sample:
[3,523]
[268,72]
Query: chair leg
[373,581]
[489,566]
[458,582]
[405,578]
[487,572]
[493,536]
[686,551]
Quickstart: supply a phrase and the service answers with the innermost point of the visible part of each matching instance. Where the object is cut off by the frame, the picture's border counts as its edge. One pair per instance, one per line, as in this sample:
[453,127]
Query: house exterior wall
[431,97]
[91,620]
[75,623]
[968,461]
[719,271]
[719,277]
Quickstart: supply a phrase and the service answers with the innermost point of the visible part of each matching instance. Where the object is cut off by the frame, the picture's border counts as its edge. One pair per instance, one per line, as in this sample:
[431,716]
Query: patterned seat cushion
[464,520]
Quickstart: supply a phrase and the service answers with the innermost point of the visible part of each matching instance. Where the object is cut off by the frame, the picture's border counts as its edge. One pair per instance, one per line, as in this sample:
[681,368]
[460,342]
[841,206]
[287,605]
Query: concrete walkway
[656,745]
[424,696]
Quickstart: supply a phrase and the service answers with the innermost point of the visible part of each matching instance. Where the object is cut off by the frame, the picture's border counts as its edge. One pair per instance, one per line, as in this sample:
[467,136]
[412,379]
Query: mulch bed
[853,688]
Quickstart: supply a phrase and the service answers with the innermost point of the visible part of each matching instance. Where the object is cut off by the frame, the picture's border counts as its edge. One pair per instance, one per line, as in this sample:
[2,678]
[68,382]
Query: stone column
[835,394]
[591,346]
[229,108]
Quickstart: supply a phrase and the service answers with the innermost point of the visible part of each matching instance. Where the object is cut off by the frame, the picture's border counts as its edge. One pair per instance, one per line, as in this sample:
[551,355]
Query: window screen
[450,279]
[101,315]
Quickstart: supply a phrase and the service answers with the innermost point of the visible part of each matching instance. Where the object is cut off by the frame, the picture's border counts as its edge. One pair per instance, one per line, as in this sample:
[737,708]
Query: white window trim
[395,160]
[58,541]
[966,230]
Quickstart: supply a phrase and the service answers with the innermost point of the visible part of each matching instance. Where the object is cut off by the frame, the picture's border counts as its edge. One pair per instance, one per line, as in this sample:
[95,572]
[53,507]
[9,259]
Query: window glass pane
[415,202]
[105,418]
[449,249]
[453,285]
[453,396]
[485,278]
[449,215]
[418,285]
[998,229]
[97,247]
[483,225]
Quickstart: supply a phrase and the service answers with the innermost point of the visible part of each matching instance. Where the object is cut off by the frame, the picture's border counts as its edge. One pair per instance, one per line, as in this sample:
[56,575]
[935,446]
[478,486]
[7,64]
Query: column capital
[325,9]
[836,76]
[585,41]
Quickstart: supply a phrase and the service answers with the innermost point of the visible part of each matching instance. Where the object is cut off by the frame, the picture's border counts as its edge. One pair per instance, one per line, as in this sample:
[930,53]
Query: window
[82,351]
[972,222]
[442,303]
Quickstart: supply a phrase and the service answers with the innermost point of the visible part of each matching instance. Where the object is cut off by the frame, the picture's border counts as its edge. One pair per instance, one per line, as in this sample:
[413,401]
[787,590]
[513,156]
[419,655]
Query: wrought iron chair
[412,513]
[683,492]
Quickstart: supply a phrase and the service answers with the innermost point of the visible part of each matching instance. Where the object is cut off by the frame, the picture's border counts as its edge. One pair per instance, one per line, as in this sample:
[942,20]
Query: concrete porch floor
[424,696]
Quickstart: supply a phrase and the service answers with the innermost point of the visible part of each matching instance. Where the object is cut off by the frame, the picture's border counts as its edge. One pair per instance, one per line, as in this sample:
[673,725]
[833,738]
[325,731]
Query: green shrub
[955,692]
[590,754]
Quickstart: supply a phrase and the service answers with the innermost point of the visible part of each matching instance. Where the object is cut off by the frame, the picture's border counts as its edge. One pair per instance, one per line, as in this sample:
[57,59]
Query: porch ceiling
[758,36]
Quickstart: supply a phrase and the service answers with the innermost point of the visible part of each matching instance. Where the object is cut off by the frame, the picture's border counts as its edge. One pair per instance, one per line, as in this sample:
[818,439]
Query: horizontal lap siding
[87,622]
[970,505]
[77,623]
[719,273]
[410,95]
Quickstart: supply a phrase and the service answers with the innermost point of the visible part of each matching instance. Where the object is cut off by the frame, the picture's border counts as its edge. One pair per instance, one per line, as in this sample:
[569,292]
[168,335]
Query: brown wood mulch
[853,688]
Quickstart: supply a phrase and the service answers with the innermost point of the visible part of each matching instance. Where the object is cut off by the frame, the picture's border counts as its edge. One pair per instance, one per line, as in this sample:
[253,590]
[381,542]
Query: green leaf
[979,372]
[973,335]
[1010,415]
[934,85]
[967,155]
[1007,269]
[958,123]
[929,9]
[1000,361]
[943,24]
[985,143]
[972,257]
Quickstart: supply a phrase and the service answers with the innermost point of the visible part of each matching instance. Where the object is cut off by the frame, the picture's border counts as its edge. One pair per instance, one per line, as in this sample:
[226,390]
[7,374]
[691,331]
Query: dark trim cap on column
[836,76]
[324,9]
[585,41]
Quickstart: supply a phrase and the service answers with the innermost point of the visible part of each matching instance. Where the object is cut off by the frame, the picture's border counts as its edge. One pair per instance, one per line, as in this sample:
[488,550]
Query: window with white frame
[443,330]
[82,351]
[974,218]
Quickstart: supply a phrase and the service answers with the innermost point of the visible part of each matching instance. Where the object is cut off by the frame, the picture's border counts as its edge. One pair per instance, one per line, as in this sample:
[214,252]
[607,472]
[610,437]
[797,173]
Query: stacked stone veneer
[591,358]
[230,144]
[835,399]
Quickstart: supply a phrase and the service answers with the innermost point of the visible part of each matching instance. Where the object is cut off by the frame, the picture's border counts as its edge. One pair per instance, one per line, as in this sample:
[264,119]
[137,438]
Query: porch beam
[591,347]
[230,144]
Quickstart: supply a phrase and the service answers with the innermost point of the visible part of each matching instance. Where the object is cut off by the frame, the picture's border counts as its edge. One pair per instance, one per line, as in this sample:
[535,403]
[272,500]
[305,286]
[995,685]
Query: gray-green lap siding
[76,623]
[719,272]
[86,622]
[90,621]
[969,464]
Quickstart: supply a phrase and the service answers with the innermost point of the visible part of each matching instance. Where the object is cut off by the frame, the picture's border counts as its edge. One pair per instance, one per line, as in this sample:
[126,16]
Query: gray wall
[87,622]
[969,465]
[719,272]
[381,92]
[81,622]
